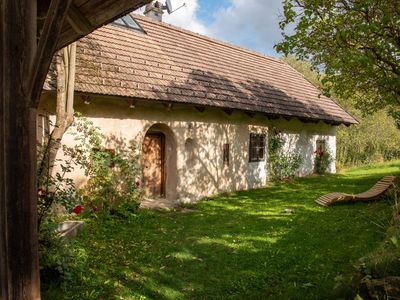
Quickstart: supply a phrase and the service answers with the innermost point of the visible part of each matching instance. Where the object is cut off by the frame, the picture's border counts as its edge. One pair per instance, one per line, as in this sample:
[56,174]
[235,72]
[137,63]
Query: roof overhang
[61,22]
[84,16]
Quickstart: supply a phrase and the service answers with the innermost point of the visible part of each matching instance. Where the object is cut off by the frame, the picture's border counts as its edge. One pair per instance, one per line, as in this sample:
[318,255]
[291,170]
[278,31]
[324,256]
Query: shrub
[375,139]
[281,164]
[110,186]
[113,173]
[55,254]
[323,159]
[55,189]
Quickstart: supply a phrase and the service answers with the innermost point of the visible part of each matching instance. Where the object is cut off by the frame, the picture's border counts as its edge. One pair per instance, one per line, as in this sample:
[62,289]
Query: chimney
[154,11]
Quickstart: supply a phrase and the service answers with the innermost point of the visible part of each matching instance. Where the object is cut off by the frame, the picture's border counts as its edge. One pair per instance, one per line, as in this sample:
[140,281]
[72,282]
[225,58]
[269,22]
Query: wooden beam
[228,111]
[3,212]
[86,99]
[47,45]
[200,108]
[132,104]
[250,114]
[271,117]
[78,21]
[19,271]
[307,120]
[168,106]
[98,13]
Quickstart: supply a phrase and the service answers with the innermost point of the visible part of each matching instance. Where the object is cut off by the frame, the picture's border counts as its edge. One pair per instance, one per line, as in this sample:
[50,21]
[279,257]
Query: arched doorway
[159,175]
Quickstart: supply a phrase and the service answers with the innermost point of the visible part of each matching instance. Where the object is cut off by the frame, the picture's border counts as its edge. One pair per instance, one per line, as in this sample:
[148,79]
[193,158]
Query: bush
[375,139]
[55,189]
[281,164]
[322,161]
[55,254]
[112,186]
[112,173]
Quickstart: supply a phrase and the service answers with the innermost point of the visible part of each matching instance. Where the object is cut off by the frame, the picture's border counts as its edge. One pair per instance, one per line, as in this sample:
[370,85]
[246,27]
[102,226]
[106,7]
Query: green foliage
[281,164]
[55,255]
[322,161]
[113,173]
[376,138]
[380,264]
[88,139]
[112,187]
[113,179]
[241,245]
[355,43]
[305,68]
[55,188]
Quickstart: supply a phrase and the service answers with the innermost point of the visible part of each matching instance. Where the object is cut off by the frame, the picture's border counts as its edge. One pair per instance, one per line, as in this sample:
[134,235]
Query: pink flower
[77,209]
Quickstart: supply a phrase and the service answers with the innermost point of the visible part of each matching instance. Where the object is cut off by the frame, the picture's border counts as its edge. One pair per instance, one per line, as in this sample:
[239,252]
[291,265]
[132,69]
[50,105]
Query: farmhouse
[198,109]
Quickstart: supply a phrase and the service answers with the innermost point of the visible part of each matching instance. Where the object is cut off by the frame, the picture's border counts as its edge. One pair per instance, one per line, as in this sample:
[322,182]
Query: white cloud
[186,17]
[251,24]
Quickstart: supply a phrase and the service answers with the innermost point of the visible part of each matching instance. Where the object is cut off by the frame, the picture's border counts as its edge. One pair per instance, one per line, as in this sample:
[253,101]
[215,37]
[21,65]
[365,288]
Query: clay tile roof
[171,64]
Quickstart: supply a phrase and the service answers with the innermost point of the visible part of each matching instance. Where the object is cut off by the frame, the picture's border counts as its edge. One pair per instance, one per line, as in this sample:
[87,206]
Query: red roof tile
[171,64]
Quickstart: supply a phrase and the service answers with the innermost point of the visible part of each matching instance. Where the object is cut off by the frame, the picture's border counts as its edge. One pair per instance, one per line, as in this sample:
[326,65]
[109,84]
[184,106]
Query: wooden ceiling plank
[79,3]
[52,27]
[97,13]
[200,108]
[78,21]
[105,11]
[228,111]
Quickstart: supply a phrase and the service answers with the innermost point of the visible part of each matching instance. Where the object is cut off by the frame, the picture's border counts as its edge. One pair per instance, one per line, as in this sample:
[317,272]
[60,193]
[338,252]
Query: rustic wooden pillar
[19,271]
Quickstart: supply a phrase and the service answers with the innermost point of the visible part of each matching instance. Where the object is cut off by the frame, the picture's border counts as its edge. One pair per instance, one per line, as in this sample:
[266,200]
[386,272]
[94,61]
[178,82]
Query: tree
[65,67]
[355,43]
[376,138]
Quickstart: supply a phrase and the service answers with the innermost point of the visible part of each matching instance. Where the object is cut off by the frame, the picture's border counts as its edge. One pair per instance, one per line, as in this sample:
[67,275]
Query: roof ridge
[204,37]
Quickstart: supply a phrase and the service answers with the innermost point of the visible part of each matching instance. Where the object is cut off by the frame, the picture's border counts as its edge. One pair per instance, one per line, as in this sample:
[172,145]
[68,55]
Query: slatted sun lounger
[377,190]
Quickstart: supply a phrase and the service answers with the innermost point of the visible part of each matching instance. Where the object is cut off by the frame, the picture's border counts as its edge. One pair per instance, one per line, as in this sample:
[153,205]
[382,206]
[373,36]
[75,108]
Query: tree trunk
[65,67]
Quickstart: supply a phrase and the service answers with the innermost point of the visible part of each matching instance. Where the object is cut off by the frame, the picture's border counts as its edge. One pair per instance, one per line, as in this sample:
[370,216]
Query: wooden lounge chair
[377,190]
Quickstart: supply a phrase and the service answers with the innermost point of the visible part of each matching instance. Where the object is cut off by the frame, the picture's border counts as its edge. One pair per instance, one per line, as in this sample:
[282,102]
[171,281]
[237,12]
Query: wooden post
[19,271]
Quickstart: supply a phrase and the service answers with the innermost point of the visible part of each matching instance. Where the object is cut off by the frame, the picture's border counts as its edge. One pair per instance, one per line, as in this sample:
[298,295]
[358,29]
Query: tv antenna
[168,7]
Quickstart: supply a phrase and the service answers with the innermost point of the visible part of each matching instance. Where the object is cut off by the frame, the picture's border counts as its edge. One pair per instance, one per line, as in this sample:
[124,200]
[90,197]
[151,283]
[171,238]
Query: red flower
[77,209]
[94,208]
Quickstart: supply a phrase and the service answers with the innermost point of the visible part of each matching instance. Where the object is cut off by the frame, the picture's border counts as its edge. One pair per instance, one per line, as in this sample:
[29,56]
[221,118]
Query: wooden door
[153,165]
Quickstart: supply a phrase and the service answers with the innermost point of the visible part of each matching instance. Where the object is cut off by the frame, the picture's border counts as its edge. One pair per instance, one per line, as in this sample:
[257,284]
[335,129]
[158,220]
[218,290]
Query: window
[225,154]
[256,147]
[129,22]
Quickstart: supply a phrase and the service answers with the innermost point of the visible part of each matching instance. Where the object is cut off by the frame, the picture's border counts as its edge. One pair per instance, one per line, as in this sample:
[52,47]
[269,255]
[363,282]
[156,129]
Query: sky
[251,24]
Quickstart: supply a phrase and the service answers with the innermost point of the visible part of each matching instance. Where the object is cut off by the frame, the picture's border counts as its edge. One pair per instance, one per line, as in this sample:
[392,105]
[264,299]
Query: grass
[240,245]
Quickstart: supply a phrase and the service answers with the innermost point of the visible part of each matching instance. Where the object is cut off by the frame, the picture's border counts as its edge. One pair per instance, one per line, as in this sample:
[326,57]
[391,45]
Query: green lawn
[237,246]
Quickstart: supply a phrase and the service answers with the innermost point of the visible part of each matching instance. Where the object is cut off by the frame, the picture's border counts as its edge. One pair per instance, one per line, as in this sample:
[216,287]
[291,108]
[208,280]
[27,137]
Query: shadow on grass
[241,245]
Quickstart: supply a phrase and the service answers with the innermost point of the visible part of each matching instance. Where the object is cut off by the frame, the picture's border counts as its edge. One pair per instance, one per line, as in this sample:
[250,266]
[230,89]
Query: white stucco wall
[199,139]
[302,138]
